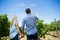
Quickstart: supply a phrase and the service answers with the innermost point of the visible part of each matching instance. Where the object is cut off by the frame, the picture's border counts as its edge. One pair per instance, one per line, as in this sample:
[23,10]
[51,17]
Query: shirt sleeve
[23,24]
[36,18]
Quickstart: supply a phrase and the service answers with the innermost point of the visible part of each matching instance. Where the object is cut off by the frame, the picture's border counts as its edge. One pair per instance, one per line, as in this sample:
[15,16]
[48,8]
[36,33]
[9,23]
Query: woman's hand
[22,35]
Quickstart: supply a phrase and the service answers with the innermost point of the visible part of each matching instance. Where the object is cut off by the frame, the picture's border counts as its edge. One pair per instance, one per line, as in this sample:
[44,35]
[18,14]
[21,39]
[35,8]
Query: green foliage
[39,24]
[4,25]
[58,24]
[54,25]
[42,28]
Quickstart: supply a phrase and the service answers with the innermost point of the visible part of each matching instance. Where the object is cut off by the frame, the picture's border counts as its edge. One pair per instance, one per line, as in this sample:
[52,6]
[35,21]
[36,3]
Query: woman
[14,29]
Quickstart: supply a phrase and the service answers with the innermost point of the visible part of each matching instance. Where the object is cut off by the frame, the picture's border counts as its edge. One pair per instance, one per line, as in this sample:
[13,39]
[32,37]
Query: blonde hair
[13,20]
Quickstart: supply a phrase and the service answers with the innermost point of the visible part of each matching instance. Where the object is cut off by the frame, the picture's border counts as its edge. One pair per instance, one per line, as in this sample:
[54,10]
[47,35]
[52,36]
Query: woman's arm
[17,26]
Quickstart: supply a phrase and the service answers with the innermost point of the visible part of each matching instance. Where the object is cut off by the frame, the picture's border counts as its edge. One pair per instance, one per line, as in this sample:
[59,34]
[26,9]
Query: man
[30,22]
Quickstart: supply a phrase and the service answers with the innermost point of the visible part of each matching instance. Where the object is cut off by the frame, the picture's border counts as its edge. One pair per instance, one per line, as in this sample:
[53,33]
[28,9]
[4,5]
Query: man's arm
[36,18]
[23,24]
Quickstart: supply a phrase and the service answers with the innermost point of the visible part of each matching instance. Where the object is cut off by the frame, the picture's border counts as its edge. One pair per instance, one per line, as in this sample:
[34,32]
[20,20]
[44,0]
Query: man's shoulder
[33,15]
[28,17]
[24,18]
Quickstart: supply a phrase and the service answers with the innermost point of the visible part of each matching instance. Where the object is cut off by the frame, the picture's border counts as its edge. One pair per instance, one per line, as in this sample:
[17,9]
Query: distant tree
[52,25]
[58,24]
[4,25]
[55,25]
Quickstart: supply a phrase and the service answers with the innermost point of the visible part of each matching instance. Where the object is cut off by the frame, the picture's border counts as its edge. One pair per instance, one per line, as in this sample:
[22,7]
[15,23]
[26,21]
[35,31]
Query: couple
[31,30]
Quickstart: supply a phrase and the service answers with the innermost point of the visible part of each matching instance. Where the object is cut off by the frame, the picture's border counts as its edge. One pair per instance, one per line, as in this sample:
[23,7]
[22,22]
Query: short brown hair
[28,10]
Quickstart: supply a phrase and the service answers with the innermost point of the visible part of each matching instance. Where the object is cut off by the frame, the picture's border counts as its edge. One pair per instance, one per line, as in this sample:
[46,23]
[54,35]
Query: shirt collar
[28,14]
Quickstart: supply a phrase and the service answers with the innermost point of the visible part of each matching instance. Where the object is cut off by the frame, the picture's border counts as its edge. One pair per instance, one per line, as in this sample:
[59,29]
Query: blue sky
[46,9]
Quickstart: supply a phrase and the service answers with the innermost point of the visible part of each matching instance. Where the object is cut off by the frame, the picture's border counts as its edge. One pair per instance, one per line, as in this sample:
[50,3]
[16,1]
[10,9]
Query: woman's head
[14,18]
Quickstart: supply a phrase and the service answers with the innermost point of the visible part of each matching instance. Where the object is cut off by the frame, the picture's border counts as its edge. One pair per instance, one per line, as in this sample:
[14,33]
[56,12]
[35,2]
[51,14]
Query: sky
[45,9]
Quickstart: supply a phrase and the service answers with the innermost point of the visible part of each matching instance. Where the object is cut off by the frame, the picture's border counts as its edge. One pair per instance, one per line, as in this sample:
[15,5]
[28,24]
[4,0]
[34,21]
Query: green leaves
[4,25]
[42,28]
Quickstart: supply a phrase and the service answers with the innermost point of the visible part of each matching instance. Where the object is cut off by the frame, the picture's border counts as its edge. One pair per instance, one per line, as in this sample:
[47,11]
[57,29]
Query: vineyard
[45,31]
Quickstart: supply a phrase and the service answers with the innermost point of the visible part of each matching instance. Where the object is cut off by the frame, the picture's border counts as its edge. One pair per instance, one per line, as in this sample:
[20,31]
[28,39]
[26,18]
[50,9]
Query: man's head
[28,11]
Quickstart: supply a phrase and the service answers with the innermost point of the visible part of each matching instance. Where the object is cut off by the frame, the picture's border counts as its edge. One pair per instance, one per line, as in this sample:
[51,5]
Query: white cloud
[32,5]
[26,5]
[22,5]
